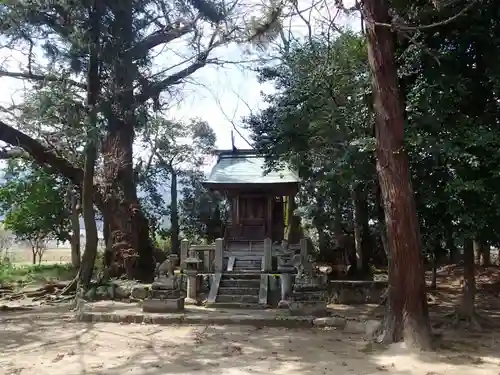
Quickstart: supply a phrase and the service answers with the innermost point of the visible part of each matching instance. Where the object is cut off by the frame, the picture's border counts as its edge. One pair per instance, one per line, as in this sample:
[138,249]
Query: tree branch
[40,78]
[15,153]
[39,153]
[398,26]
[167,35]
[155,89]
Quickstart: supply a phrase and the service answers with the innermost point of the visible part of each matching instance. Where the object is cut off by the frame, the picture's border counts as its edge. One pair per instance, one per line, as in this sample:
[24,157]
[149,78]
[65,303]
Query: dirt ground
[48,341]
[38,343]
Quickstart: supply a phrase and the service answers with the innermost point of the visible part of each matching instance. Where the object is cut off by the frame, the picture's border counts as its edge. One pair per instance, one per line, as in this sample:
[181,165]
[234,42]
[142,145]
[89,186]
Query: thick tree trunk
[381,222]
[91,236]
[132,250]
[75,230]
[93,89]
[477,246]
[452,248]
[362,239]
[486,255]
[435,251]
[174,214]
[407,289]
[466,306]
[482,253]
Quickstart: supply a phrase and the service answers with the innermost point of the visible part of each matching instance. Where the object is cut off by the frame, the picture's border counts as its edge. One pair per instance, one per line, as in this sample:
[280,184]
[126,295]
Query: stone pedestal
[165,294]
[163,300]
[151,305]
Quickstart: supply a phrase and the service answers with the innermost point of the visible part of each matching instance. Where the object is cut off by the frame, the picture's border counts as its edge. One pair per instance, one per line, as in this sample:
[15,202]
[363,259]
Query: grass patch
[25,274]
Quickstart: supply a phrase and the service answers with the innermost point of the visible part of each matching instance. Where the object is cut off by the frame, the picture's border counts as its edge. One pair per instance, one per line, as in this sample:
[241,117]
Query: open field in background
[52,255]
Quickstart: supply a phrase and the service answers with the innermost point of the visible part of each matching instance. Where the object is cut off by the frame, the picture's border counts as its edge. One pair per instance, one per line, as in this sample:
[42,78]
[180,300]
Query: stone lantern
[191,269]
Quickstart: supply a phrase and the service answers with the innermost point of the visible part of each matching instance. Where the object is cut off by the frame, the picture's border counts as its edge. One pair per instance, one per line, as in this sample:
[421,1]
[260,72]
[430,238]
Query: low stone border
[347,325]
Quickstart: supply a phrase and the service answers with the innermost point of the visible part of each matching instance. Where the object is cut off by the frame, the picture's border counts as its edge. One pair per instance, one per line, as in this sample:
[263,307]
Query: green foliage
[319,122]
[452,110]
[201,212]
[11,273]
[178,149]
[33,204]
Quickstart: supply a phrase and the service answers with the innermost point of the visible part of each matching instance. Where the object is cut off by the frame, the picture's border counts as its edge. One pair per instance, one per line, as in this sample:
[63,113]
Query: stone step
[244,254]
[249,258]
[234,291]
[236,305]
[239,283]
[242,299]
[247,270]
[241,275]
[248,261]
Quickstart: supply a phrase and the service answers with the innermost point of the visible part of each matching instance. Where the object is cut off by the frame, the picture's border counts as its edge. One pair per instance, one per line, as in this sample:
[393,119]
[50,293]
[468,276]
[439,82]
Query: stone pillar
[219,255]
[268,255]
[184,252]
[304,251]
[286,289]
[206,261]
[192,286]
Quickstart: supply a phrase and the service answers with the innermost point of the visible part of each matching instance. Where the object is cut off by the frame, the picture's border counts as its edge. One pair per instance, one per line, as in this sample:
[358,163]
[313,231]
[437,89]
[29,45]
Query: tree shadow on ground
[53,338]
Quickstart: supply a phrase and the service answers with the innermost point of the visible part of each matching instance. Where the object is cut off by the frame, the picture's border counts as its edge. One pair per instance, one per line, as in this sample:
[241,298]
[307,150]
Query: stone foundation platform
[117,312]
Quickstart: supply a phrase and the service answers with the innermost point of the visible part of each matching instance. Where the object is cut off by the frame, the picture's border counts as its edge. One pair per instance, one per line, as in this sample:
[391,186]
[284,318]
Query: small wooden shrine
[261,202]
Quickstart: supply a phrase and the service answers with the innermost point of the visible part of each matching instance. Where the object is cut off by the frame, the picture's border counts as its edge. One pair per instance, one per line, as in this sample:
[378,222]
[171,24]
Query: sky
[220,95]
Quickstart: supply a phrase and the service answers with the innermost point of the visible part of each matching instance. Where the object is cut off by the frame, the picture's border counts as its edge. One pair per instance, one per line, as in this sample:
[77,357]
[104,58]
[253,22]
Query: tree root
[70,288]
[50,291]
[473,321]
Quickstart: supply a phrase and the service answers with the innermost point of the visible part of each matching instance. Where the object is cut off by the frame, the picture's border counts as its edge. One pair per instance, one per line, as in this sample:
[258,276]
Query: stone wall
[353,292]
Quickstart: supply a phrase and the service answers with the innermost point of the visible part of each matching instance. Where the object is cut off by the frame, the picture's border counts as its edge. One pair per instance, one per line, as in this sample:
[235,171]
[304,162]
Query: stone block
[139,292]
[330,321]
[163,305]
[313,308]
[351,292]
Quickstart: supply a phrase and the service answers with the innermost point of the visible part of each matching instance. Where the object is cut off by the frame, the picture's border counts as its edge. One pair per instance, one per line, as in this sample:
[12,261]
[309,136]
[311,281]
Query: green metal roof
[247,167]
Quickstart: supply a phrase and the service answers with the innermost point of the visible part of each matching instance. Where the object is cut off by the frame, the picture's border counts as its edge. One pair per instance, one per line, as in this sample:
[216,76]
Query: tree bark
[476,244]
[75,229]
[93,90]
[486,255]
[361,231]
[381,222]
[435,251]
[466,306]
[132,249]
[482,253]
[452,248]
[174,214]
[409,316]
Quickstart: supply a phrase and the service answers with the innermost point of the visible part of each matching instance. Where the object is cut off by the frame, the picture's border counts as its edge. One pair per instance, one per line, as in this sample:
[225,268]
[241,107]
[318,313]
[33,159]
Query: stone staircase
[249,264]
[241,285]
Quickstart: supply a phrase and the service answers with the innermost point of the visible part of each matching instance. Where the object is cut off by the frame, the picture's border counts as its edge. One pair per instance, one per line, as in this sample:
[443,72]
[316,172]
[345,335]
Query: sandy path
[59,346]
